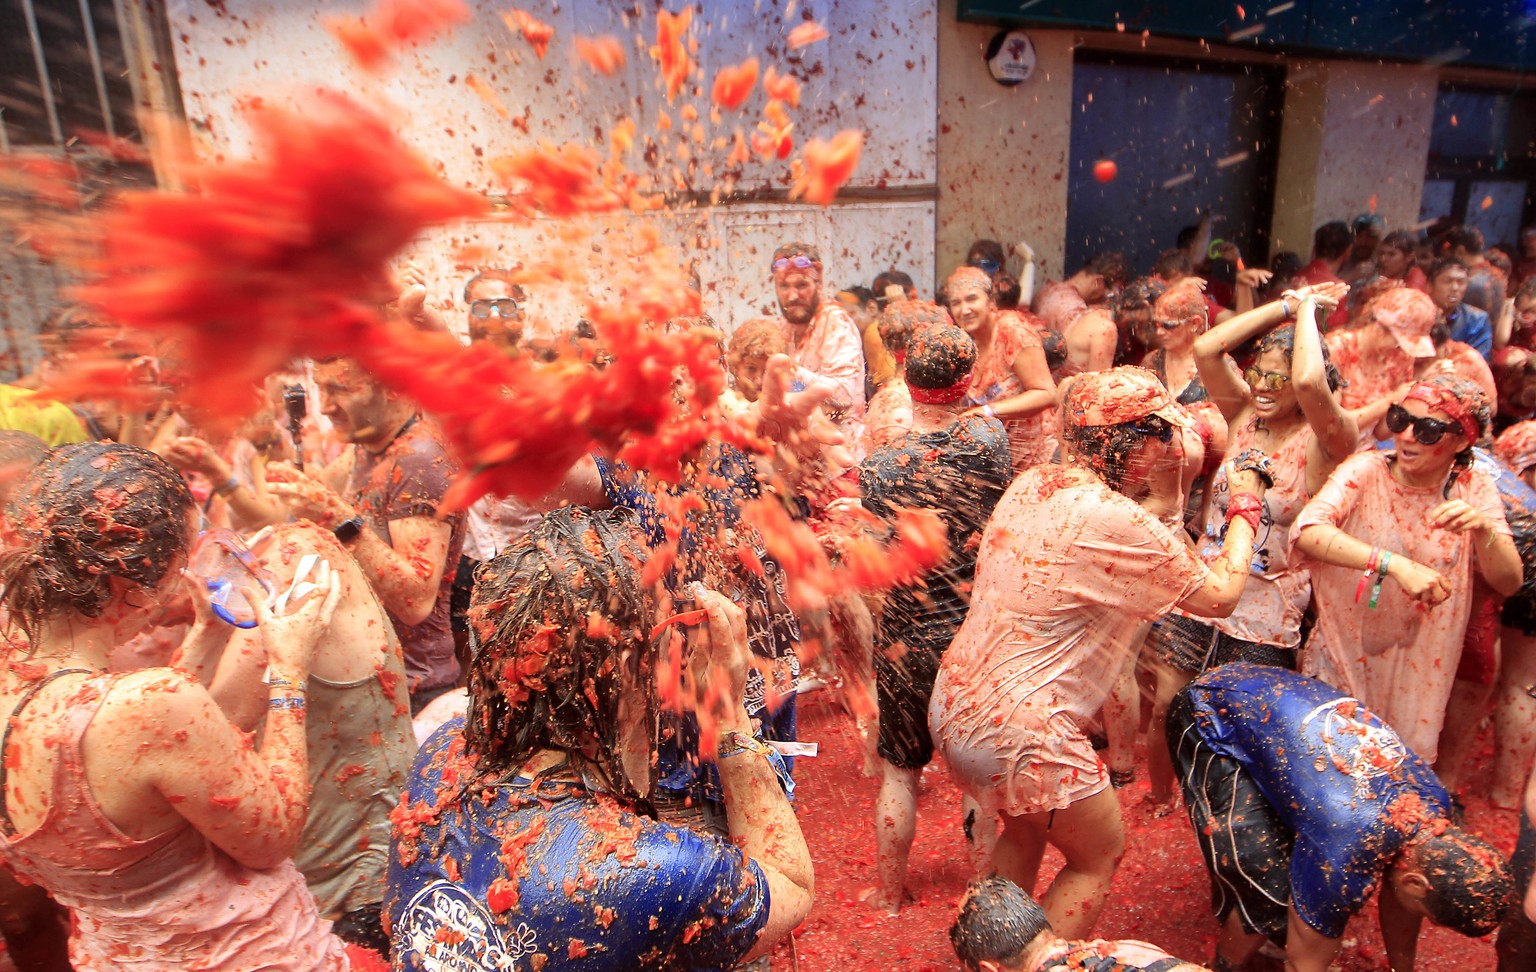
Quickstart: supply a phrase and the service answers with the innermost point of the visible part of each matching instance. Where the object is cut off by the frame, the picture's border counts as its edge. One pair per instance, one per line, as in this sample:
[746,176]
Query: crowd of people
[271,703]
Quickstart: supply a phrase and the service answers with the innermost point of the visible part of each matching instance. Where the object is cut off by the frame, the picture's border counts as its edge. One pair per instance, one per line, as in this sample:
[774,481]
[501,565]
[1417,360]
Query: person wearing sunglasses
[1070,565]
[1517,325]
[1012,380]
[497,309]
[1391,541]
[824,342]
[1285,407]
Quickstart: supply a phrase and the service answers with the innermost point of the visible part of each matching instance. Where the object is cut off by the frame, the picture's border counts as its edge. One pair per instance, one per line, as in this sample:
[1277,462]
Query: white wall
[875,73]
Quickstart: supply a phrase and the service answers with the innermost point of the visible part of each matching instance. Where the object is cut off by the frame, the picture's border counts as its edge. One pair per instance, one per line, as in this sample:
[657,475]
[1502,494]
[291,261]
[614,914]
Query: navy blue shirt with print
[1338,777]
[497,879]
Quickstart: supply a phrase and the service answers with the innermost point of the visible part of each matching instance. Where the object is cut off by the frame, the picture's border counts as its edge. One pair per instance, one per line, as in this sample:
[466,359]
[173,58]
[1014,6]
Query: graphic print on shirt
[1358,749]
[451,932]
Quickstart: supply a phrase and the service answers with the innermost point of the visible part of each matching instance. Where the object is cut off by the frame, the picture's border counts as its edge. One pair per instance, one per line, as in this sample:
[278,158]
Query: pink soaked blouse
[1400,657]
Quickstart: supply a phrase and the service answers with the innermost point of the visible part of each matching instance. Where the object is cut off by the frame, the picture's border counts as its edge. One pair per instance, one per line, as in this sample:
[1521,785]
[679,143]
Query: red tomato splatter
[605,54]
[807,33]
[828,165]
[782,87]
[373,40]
[670,51]
[534,31]
[734,84]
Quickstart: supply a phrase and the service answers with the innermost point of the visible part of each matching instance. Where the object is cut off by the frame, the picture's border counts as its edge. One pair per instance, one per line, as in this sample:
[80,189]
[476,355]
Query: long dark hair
[86,513]
[562,624]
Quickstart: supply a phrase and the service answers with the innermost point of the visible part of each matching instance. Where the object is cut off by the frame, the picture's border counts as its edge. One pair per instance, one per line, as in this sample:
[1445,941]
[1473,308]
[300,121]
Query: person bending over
[1304,802]
[1000,928]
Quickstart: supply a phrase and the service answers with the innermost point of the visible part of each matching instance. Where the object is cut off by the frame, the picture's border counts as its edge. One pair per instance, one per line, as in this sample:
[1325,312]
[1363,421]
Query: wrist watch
[347,530]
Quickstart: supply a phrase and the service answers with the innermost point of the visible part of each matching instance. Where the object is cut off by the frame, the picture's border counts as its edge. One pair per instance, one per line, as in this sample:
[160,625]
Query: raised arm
[1228,574]
[1334,430]
[1226,389]
[758,815]
[251,803]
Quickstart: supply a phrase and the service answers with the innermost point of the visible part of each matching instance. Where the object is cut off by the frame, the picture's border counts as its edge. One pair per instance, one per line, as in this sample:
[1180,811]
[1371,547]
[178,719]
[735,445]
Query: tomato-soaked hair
[561,625]
[88,512]
[1470,889]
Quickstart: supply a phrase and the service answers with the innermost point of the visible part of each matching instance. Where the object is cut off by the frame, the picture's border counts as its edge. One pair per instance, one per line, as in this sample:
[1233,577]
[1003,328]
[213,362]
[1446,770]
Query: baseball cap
[1121,395]
[1410,315]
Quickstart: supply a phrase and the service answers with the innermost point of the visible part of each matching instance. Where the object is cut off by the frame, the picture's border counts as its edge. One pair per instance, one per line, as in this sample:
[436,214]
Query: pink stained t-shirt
[1065,572]
[1399,658]
[831,353]
[1278,589]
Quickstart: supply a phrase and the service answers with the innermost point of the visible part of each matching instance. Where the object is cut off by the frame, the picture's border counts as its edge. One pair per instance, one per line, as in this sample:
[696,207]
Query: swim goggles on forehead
[988,267]
[1155,427]
[799,261]
[1426,431]
[501,306]
[1266,380]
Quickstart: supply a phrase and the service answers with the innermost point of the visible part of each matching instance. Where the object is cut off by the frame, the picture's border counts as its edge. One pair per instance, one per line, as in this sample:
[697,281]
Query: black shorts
[1194,646]
[904,680]
[1247,848]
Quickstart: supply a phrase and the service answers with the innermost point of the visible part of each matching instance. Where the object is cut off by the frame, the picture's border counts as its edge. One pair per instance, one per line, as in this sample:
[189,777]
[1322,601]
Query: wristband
[1370,573]
[735,743]
[1246,507]
[287,702]
[1381,573]
[226,487]
[989,411]
[267,679]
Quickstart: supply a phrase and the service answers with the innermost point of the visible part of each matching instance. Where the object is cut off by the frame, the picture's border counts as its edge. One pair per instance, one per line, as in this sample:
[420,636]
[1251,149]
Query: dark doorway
[1186,137]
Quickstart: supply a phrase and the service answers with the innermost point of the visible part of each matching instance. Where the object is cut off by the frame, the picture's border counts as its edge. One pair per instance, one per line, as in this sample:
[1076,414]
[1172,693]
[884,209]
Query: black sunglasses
[1426,430]
[503,307]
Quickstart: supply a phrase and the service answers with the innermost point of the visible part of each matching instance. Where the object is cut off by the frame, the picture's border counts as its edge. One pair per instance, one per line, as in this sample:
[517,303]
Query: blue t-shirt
[1339,778]
[1470,325]
[494,878]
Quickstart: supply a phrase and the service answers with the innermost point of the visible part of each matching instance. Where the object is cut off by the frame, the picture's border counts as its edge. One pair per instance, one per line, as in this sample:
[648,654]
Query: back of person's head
[89,512]
[1470,889]
[1112,266]
[1499,259]
[1138,295]
[758,339]
[1332,240]
[1286,264]
[901,319]
[1369,223]
[939,356]
[860,293]
[561,626]
[997,921]
[1468,238]
[1186,236]
[1006,293]
[1173,265]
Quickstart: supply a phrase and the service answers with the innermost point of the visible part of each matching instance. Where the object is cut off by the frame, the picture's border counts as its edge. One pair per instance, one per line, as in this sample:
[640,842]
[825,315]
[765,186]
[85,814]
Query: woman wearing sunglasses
[1391,541]
[1284,406]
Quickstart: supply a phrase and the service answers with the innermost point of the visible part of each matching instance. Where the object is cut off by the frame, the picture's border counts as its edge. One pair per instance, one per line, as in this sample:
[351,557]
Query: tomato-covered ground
[1161,894]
